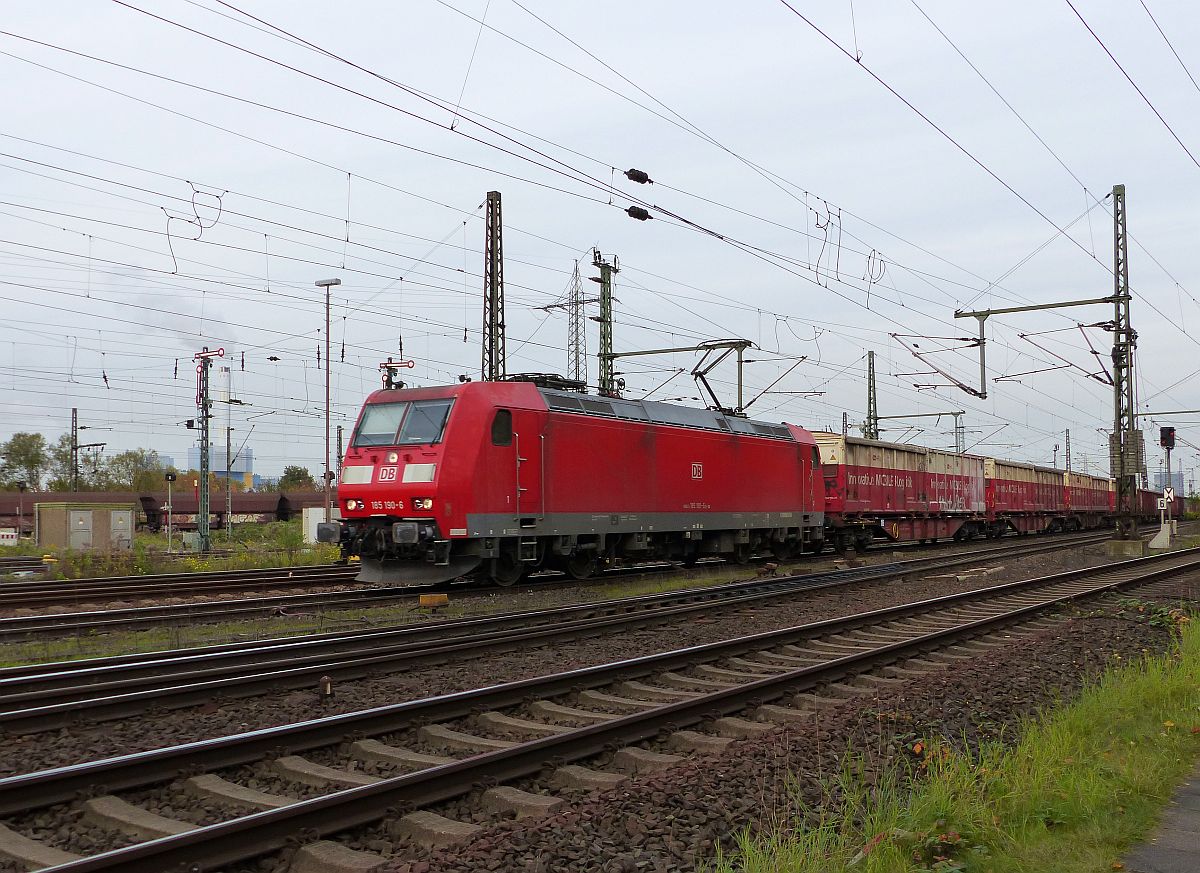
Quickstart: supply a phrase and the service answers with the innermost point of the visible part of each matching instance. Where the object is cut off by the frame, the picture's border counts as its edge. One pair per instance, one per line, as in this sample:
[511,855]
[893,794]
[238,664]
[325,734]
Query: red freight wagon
[895,491]
[1147,504]
[956,482]
[501,478]
[1087,500]
[1024,497]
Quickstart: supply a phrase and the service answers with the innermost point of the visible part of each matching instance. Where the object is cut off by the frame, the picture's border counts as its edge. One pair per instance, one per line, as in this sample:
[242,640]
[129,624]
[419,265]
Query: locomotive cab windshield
[405,423]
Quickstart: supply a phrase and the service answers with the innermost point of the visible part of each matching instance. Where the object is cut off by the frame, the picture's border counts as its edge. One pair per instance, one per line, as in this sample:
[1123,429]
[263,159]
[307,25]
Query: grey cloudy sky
[141,218]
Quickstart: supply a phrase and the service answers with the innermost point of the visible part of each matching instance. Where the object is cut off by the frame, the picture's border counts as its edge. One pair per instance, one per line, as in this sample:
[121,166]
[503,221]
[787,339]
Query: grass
[1080,785]
[251,547]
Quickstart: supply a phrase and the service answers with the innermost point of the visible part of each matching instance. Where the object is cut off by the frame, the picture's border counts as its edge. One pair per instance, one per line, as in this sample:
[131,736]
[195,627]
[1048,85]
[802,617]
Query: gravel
[675,820]
[31,752]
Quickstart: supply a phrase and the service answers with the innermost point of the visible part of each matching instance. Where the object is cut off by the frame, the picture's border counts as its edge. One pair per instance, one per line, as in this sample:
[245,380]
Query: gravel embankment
[21,754]
[675,820]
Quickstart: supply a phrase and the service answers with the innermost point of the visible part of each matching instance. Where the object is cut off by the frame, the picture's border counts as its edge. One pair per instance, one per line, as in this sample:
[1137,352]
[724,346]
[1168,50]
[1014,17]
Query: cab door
[515,458]
[529,456]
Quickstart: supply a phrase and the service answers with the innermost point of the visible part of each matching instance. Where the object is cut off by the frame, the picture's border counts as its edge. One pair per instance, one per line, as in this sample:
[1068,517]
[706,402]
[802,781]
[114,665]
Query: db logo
[697,471]
[387,474]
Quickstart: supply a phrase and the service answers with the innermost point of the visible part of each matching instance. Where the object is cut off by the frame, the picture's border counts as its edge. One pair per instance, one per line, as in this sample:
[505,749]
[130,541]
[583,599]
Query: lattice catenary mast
[494,366]
[606,382]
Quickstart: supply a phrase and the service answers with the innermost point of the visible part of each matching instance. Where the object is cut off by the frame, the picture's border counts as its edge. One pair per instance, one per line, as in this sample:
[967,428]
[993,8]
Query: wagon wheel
[506,569]
[581,565]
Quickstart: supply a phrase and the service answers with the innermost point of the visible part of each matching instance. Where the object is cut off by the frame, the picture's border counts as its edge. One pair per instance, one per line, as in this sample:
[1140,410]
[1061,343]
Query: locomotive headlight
[423,503]
[355,504]
[393,457]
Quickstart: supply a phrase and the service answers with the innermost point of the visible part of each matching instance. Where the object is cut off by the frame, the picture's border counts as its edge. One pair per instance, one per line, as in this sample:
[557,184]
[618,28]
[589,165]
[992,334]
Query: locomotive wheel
[741,553]
[581,565]
[506,569]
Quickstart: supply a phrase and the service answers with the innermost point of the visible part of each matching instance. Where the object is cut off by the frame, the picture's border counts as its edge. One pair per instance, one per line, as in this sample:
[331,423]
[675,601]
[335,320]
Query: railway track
[35,594]
[32,627]
[577,730]
[20,567]
[41,697]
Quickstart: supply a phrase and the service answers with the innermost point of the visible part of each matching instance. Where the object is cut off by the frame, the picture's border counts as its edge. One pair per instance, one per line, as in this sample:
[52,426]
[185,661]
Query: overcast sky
[798,202]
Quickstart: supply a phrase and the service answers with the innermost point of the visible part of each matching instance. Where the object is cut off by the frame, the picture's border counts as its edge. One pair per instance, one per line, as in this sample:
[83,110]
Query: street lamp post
[327,284]
[170,507]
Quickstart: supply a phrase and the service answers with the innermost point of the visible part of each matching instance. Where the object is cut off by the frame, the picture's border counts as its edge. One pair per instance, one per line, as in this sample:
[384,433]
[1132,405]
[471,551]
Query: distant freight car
[1089,500]
[1025,497]
[898,492]
[502,478]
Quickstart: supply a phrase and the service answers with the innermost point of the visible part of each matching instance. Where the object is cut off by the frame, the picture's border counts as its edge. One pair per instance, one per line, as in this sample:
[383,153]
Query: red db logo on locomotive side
[697,471]
[387,474]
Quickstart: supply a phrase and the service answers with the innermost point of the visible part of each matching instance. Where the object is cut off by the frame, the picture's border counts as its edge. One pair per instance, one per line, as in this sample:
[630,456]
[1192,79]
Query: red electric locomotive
[501,478]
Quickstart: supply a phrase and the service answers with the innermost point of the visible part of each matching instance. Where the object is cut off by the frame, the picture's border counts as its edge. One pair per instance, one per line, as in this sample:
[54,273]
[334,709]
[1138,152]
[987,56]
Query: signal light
[1166,437]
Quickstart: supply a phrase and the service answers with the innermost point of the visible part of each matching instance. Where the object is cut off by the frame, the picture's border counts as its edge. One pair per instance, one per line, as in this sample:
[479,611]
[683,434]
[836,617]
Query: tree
[296,478]
[134,470]
[24,458]
[59,464]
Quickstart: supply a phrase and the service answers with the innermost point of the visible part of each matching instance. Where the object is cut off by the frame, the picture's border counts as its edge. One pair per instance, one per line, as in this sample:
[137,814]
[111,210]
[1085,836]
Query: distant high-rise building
[1176,481]
[241,468]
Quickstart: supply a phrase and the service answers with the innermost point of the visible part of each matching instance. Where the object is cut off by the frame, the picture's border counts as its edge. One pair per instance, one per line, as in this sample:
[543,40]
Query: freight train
[498,479]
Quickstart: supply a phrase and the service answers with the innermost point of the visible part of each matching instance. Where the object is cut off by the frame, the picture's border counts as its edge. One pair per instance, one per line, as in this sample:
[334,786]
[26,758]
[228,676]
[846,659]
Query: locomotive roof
[661,413]
[609,407]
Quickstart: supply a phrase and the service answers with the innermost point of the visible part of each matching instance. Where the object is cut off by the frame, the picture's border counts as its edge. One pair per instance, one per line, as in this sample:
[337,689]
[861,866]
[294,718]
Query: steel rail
[65,692]
[46,787]
[24,594]
[525,616]
[243,838]
[25,628]
[28,627]
[183,576]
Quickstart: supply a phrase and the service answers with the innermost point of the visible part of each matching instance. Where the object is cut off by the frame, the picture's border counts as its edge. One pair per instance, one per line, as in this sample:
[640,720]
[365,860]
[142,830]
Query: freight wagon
[1024,497]
[898,492]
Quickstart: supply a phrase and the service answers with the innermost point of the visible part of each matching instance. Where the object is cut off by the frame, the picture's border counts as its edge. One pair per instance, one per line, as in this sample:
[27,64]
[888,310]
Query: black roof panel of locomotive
[660,413]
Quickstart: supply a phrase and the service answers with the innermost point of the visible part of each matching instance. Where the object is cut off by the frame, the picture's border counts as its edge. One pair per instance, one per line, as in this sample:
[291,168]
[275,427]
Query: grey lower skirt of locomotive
[413,552]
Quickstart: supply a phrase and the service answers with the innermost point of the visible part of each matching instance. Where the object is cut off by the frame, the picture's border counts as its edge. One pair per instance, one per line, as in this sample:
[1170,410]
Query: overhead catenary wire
[1135,85]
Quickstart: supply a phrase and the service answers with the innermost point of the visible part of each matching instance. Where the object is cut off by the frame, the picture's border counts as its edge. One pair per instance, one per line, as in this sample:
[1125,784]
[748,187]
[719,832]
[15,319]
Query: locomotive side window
[379,424]
[425,422]
[502,428]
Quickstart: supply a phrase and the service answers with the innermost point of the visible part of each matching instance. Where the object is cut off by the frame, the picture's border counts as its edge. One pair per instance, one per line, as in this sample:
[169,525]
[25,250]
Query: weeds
[1078,787]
